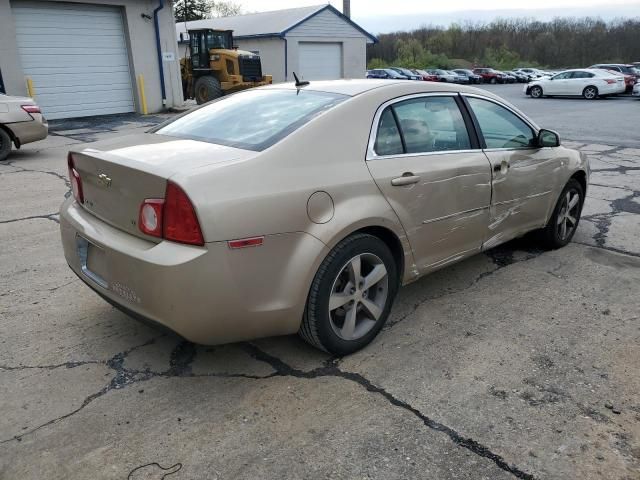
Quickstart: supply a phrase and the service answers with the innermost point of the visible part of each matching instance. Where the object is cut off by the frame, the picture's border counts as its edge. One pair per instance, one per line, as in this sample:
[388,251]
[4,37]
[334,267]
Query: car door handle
[406,179]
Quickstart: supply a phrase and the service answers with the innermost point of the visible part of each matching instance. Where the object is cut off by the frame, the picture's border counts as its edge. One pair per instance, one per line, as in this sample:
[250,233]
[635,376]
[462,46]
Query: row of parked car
[597,81]
[459,75]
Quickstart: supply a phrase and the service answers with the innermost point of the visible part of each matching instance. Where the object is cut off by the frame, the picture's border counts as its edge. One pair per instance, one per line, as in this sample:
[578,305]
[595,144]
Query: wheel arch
[581,177]
[387,229]
[392,241]
[12,135]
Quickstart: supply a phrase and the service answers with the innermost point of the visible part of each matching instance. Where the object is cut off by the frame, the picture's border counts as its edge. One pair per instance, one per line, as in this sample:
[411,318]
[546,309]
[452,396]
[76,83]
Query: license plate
[93,261]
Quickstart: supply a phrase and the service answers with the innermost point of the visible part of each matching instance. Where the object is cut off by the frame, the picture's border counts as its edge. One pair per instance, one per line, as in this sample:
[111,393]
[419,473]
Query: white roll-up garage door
[76,56]
[320,61]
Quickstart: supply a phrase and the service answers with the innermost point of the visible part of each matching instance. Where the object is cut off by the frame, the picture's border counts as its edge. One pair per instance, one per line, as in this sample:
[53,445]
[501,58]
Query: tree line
[508,43]
[188,10]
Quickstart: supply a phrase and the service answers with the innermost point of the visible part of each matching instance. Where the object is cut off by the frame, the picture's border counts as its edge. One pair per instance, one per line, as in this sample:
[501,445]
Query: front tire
[565,217]
[493,81]
[590,93]
[535,92]
[351,295]
[207,88]
[5,144]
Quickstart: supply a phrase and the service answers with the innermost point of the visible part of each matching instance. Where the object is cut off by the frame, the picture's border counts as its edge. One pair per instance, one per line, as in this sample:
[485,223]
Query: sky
[379,16]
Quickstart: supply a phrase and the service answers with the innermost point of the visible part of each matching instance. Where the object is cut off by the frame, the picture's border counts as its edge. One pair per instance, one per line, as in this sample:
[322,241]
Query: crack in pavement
[330,369]
[11,163]
[48,216]
[611,249]
[180,362]
[184,354]
[502,257]
[602,221]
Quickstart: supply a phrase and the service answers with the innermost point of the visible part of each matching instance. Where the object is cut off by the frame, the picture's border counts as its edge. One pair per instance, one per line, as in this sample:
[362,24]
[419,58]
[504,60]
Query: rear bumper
[611,89]
[30,131]
[208,295]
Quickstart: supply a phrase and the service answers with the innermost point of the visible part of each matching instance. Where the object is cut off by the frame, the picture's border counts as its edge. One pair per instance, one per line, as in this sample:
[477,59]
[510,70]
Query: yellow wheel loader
[215,67]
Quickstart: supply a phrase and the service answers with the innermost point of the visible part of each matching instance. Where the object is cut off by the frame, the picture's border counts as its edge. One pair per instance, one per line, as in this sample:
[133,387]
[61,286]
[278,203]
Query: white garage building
[318,43]
[85,58]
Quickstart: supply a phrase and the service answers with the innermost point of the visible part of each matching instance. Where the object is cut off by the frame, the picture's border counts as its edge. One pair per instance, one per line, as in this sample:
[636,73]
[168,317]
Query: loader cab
[203,41]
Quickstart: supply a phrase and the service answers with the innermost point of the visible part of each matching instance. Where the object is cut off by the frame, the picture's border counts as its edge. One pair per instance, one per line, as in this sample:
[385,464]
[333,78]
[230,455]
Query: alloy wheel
[590,93]
[567,220]
[358,296]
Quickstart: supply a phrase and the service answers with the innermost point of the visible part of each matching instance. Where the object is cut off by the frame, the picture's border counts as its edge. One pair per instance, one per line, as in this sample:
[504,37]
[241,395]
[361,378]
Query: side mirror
[548,138]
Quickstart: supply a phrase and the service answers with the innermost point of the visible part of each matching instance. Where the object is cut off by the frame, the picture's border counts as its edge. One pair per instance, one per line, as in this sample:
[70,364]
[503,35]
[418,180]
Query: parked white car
[586,82]
[531,73]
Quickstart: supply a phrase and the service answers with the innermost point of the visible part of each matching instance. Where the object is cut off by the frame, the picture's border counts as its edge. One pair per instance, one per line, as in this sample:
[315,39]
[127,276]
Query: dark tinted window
[500,127]
[582,75]
[253,120]
[429,124]
[388,141]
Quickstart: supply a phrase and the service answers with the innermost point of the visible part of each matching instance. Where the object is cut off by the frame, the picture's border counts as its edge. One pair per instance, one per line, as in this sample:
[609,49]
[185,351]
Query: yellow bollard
[30,89]
[143,96]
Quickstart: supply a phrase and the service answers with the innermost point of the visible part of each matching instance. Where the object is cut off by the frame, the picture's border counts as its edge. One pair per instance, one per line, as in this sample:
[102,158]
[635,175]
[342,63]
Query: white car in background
[589,83]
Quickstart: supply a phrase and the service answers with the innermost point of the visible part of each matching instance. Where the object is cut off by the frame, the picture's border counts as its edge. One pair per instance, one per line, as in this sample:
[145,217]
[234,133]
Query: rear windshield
[252,120]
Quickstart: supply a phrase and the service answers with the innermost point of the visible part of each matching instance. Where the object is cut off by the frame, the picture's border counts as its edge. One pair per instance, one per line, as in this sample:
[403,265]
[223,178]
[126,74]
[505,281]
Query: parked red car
[426,76]
[489,75]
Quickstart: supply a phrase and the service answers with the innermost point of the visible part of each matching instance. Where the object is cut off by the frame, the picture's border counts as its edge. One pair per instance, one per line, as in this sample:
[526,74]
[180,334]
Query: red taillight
[76,181]
[180,223]
[150,218]
[31,108]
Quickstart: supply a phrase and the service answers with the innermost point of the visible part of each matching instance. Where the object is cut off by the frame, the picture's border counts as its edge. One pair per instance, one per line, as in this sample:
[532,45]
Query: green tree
[188,10]
[376,63]
[501,58]
[225,8]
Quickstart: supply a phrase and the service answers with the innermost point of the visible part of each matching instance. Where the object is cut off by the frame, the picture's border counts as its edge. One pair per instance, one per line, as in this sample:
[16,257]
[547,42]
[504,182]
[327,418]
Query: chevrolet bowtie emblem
[104,180]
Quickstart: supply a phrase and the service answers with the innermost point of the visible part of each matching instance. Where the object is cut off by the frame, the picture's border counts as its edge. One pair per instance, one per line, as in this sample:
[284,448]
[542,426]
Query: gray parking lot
[515,363]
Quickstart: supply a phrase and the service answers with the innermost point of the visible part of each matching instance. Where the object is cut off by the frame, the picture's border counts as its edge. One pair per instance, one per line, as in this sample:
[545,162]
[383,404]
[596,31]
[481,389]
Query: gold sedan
[303,209]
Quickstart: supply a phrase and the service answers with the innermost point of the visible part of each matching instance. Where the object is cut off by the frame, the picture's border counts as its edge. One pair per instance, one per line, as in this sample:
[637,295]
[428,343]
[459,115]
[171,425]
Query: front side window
[562,76]
[252,120]
[428,124]
[500,127]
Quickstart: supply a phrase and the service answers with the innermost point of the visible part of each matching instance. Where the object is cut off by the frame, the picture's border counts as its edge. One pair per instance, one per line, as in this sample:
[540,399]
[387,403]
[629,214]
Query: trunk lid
[118,175]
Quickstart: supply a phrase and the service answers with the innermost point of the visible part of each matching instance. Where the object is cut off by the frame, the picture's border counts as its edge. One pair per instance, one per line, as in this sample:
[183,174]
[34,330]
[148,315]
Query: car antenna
[298,82]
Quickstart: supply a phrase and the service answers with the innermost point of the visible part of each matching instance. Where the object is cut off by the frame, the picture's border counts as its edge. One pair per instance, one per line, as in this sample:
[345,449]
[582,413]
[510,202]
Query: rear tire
[493,81]
[564,220]
[351,295]
[535,92]
[5,144]
[207,88]
[590,93]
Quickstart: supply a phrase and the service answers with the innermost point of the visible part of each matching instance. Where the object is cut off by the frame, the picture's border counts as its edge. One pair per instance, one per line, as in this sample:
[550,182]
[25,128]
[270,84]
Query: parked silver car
[20,122]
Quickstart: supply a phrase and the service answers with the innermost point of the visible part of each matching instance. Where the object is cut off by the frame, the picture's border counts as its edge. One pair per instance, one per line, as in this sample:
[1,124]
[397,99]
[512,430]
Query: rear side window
[388,141]
[252,120]
[500,127]
[582,75]
[424,125]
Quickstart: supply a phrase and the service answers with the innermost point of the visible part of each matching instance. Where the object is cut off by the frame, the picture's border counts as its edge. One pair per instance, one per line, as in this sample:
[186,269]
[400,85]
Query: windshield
[218,40]
[252,120]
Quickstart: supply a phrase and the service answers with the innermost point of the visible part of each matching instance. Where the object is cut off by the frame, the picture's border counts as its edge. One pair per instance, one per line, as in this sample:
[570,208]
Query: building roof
[275,23]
